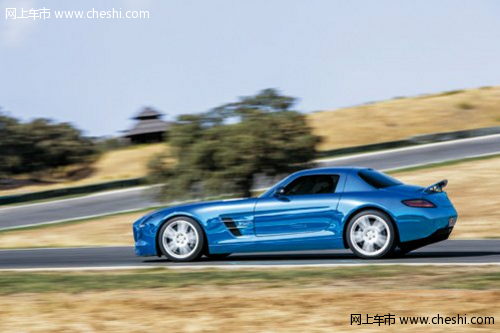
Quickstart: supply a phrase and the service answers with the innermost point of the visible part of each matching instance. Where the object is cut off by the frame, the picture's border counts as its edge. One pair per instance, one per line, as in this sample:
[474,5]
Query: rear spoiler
[438,187]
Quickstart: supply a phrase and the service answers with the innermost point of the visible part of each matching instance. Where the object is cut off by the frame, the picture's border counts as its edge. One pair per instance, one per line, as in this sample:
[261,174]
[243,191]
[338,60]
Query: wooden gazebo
[149,127]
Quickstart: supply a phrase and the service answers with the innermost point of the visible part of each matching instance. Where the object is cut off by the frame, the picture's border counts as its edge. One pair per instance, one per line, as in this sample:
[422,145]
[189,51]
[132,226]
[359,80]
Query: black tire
[197,249]
[371,234]
[217,256]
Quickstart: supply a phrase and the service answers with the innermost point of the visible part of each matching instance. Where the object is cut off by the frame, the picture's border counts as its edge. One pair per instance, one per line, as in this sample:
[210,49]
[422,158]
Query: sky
[191,56]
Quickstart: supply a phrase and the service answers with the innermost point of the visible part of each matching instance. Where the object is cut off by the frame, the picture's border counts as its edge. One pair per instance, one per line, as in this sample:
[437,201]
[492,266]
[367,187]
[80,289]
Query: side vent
[231,226]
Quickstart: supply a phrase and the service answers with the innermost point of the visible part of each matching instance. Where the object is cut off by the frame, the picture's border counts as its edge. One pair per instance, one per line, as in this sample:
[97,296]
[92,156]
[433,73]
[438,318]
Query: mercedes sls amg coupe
[361,209]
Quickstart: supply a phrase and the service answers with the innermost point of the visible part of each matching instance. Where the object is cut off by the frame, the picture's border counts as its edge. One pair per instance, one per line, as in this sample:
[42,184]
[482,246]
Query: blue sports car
[317,209]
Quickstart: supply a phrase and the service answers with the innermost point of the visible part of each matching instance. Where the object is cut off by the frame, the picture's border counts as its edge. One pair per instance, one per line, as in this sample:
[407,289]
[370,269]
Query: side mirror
[280,191]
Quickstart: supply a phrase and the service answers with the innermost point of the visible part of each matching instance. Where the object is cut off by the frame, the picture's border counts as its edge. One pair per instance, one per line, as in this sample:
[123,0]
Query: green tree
[11,143]
[55,144]
[40,145]
[221,151]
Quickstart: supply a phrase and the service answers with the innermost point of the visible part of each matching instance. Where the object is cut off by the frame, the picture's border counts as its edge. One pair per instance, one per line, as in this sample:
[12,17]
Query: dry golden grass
[112,230]
[473,188]
[247,300]
[402,118]
[130,162]
[239,309]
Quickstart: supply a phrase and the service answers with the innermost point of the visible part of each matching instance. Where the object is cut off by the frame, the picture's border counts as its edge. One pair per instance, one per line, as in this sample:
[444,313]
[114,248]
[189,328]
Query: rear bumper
[416,224]
[438,236]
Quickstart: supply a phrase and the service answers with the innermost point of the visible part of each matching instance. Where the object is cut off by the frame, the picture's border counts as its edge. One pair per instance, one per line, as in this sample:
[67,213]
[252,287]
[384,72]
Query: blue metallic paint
[305,222]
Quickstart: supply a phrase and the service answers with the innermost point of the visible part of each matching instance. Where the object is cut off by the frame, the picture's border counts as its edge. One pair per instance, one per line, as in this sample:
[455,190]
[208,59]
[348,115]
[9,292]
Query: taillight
[419,203]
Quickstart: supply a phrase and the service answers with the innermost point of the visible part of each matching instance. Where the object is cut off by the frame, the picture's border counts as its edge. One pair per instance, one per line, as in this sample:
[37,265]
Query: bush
[465,106]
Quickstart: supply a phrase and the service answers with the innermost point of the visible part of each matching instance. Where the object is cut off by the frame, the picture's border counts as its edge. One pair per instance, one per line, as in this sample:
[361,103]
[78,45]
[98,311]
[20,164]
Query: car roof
[328,170]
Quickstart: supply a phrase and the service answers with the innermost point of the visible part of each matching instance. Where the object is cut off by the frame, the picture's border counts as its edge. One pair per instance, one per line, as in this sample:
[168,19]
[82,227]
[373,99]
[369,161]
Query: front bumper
[145,240]
[438,236]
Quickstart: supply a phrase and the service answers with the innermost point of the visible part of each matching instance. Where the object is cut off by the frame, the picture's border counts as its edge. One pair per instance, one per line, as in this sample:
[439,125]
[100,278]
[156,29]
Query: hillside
[405,117]
[129,162]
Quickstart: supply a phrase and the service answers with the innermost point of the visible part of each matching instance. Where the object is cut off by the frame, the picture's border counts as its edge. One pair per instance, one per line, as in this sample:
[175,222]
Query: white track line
[235,267]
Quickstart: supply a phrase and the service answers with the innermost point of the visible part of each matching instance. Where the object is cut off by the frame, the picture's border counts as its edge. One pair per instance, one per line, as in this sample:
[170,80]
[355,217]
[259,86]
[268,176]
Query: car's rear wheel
[371,235]
[181,239]
[217,256]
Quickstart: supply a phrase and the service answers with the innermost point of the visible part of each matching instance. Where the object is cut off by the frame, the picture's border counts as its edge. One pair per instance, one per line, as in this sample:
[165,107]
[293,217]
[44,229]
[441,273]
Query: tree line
[40,145]
[221,151]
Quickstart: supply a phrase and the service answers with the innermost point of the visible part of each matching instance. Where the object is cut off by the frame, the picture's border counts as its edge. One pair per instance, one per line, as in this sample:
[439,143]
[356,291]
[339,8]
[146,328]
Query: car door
[307,203]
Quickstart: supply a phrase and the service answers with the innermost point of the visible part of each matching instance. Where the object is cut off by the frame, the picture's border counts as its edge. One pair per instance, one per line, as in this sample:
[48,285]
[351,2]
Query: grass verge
[266,300]
[381,277]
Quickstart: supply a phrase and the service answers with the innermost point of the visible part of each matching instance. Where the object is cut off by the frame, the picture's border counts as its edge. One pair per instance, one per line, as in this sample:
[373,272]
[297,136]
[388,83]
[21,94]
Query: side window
[315,184]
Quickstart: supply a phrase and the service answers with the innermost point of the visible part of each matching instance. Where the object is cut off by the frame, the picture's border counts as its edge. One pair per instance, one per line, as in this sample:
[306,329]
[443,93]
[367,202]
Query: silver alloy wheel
[180,239]
[370,235]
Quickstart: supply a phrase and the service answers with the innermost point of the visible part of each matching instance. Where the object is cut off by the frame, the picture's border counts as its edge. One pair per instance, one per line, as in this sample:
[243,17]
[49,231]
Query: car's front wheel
[181,239]
[371,235]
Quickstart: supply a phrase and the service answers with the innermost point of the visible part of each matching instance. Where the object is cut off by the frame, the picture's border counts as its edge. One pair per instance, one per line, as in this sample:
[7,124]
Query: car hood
[207,205]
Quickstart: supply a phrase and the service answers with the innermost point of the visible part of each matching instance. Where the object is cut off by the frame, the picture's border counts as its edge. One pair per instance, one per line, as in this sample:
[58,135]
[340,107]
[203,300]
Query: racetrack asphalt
[421,155]
[138,198]
[458,252]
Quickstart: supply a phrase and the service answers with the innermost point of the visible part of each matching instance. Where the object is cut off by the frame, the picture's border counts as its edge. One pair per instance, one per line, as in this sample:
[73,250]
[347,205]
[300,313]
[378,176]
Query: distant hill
[401,118]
